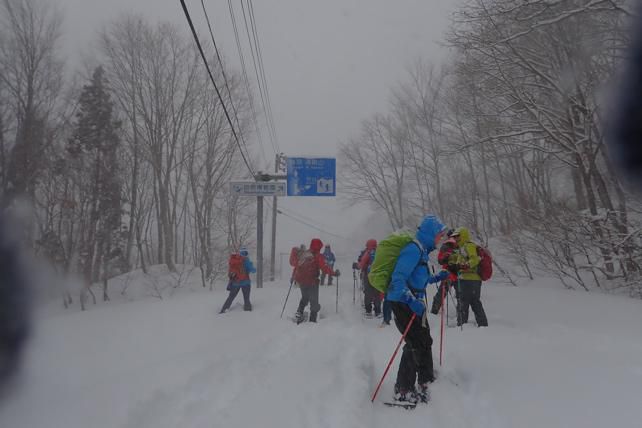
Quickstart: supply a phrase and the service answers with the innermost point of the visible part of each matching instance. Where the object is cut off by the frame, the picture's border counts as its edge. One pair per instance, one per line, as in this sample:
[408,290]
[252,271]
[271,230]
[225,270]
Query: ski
[402,404]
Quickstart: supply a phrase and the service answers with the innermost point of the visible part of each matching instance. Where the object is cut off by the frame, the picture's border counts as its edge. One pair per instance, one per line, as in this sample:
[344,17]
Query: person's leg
[322,280]
[305,298]
[314,303]
[476,305]
[230,298]
[407,373]
[436,300]
[464,298]
[387,311]
[247,305]
[330,279]
[376,302]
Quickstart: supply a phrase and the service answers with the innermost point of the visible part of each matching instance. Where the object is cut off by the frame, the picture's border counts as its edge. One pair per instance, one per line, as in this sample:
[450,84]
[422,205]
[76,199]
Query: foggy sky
[329,65]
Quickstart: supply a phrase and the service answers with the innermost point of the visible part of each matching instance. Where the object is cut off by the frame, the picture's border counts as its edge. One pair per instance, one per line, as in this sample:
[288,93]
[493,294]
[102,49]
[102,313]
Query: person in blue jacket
[406,296]
[330,259]
[241,281]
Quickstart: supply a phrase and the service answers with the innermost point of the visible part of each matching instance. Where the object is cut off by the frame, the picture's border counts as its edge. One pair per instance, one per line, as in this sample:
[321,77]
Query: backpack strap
[421,250]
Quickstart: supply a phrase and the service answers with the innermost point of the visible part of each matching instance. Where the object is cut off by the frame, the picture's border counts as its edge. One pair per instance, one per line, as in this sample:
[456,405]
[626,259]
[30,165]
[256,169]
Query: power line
[246,80]
[292,216]
[262,68]
[227,86]
[258,78]
[218,93]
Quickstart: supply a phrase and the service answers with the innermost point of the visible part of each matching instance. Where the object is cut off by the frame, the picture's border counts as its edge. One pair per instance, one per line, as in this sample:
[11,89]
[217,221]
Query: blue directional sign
[312,176]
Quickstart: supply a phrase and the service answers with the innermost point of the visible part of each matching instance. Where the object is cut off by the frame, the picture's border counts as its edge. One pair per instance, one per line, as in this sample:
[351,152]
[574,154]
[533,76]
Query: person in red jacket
[445,251]
[372,297]
[309,264]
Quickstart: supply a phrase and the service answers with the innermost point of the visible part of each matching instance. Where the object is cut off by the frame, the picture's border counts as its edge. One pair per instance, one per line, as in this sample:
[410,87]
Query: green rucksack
[386,256]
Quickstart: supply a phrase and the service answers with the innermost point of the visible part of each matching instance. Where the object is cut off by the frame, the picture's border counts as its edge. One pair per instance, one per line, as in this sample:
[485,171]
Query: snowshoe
[422,393]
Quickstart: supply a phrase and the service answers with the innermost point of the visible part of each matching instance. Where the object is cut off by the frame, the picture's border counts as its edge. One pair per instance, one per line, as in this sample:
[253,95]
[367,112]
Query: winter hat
[371,244]
[316,245]
[244,252]
[430,227]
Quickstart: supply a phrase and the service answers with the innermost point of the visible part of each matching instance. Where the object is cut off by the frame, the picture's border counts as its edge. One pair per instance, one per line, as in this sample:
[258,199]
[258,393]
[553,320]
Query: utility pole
[277,166]
[259,241]
[261,178]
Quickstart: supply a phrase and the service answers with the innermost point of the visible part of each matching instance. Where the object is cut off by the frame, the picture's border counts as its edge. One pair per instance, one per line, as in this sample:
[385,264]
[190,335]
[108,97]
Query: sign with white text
[312,176]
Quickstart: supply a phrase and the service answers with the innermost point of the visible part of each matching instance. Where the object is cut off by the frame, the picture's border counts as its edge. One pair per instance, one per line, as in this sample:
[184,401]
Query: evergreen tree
[93,150]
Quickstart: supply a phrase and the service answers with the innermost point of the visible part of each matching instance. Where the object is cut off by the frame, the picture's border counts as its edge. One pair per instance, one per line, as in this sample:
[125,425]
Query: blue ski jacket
[411,275]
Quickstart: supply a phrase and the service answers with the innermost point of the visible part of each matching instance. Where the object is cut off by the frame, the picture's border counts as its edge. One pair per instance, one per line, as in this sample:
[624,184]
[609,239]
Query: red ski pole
[441,337]
[403,336]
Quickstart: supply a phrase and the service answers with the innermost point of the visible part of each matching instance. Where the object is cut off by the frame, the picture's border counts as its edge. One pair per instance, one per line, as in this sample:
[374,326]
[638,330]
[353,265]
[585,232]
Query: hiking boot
[405,395]
[434,310]
[298,317]
[313,317]
[422,393]
[368,315]
[247,307]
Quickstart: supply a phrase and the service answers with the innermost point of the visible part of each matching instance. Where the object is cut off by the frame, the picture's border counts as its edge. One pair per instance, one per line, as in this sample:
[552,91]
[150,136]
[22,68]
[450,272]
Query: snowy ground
[550,358]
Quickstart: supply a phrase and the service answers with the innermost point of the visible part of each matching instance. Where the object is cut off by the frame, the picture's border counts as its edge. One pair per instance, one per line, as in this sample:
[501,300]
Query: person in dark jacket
[371,296]
[240,281]
[445,251]
[330,259]
[310,264]
[406,294]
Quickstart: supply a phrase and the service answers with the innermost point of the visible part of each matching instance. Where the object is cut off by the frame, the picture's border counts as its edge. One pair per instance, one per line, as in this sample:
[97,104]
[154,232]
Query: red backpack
[236,267]
[485,269]
[307,269]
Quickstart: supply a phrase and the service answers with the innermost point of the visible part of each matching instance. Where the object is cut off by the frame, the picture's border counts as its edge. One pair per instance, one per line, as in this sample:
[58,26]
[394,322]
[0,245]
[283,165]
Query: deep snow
[550,358]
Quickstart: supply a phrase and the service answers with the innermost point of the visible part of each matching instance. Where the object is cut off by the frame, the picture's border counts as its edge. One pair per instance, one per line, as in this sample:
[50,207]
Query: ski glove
[418,307]
[442,275]
[355,266]
[337,273]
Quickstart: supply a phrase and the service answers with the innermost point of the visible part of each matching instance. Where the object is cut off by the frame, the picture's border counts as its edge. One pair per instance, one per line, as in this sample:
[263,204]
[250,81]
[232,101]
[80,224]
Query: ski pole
[354,286]
[403,336]
[441,338]
[460,310]
[286,297]
[337,293]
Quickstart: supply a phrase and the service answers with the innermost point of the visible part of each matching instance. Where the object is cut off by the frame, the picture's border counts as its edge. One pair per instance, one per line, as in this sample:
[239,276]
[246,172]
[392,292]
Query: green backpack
[386,256]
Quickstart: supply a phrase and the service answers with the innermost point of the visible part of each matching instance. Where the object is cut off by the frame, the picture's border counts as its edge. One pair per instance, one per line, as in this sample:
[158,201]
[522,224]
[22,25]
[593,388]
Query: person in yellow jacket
[466,262]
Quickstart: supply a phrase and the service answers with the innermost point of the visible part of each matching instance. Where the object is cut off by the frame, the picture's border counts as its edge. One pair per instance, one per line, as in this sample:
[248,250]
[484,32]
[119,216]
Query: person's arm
[365,260]
[472,258]
[324,266]
[249,267]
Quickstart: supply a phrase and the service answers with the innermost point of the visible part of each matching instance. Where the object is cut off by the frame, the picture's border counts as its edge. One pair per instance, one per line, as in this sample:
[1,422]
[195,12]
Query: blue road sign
[312,176]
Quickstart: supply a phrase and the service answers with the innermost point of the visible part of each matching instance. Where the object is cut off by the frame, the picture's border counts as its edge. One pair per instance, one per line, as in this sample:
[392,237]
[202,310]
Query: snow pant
[371,297]
[416,359]
[309,294]
[234,290]
[470,296]
[436,300]
[387,311]
[323,276]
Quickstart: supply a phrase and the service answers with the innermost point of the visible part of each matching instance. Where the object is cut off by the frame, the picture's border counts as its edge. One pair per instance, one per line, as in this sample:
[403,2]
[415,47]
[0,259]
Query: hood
[371,244]
[462,235]
[428,230]
[327,249]
[316,245]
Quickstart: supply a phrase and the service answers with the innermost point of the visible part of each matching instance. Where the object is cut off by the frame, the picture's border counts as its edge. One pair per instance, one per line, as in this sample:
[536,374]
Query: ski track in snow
[545,360]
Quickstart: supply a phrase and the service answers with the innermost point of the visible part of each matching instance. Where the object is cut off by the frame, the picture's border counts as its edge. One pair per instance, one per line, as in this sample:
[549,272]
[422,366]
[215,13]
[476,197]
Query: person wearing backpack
[371,296]
[445,251]
[330,259]
[310,264]
[239,269]
[406,293]
[467,261]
